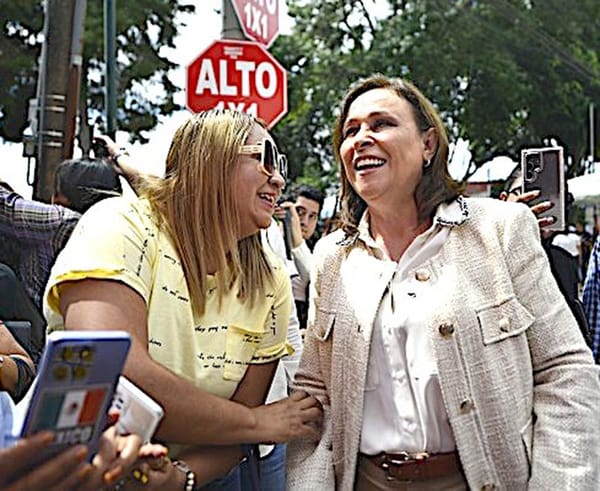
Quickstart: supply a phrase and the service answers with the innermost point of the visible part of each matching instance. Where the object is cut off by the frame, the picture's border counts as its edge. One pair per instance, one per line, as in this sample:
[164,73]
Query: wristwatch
[190,477]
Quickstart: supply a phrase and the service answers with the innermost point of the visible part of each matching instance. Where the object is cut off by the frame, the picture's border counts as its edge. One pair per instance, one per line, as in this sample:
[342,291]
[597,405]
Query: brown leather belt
[413,467]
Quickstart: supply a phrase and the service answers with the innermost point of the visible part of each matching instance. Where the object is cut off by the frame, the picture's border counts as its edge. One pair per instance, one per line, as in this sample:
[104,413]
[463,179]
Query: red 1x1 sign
[259,19]
[238,75]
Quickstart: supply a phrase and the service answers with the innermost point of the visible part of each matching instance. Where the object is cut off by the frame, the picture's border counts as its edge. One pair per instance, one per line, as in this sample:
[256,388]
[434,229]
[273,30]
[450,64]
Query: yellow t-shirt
[119,239]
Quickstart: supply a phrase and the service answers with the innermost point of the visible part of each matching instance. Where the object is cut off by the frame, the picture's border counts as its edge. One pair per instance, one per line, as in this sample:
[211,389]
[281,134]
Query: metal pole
[592,143]
[110,57]
[55,73]
[231,25]
[76,60]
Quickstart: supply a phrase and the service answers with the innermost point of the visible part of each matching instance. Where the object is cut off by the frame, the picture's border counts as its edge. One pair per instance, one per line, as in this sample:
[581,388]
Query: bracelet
[25,377]
[190,477]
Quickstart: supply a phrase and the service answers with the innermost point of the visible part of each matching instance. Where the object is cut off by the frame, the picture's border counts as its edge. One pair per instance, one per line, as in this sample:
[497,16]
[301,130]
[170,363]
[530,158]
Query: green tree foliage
[19,49]
[503,73]
[145,92]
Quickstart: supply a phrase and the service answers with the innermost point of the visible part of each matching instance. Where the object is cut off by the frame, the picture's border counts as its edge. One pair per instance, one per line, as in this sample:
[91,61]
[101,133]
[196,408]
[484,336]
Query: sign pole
[231,25]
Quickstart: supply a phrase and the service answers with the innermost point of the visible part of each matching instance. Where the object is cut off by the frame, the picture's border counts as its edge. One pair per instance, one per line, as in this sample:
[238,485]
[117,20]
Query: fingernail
[45,437]
[80,452]
[84,472]
[112,475]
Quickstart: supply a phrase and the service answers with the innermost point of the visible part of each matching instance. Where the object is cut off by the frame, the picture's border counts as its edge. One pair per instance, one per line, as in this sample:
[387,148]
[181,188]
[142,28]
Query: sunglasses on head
[270,158]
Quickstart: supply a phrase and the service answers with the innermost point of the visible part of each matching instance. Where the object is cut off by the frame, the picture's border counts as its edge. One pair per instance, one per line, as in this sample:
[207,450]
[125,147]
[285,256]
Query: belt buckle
[405,457]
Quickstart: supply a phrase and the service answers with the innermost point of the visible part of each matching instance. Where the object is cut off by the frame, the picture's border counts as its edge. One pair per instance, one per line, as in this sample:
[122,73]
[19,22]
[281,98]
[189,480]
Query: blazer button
[504,324]
[466,406]
[488,486]
[422,275]
[446,329]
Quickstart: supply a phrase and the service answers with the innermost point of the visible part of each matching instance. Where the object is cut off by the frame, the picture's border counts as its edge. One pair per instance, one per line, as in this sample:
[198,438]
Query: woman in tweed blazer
[439,344]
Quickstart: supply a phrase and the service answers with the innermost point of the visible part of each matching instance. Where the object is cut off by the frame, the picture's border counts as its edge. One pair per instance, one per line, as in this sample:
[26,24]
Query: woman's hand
[280,212]
[111,147]
[67,470]
[153,471]
[537,209]
[295,417]
[116,455]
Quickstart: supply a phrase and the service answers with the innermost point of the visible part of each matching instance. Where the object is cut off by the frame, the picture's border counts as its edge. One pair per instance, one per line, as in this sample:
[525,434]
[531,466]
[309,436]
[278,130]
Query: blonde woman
[183,270]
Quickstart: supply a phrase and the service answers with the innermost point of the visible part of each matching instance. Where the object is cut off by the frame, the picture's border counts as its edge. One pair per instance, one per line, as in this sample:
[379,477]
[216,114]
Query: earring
[427,163]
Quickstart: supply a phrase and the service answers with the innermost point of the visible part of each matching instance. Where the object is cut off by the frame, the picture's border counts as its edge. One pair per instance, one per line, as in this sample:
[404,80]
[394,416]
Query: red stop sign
[259,19]
[238,75]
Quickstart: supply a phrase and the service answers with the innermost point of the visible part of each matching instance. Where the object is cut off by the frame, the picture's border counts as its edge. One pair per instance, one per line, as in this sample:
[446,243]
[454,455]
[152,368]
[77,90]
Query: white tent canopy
[585,189]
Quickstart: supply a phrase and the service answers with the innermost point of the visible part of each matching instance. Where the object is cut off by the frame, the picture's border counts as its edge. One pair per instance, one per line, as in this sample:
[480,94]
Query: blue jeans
[272,474]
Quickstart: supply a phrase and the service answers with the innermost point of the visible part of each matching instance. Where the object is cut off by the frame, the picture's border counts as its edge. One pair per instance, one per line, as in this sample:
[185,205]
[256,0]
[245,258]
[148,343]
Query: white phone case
[139,413]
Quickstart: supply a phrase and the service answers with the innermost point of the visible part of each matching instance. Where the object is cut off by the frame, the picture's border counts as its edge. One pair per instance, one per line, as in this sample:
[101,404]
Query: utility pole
[75,63]
[110,58]
[231,24]
[53,95]
[592,161]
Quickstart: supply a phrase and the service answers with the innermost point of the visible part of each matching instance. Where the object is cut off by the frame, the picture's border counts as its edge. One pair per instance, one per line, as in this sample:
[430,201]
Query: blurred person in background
[33,233]
[561,248]
[591,298]
[304,209]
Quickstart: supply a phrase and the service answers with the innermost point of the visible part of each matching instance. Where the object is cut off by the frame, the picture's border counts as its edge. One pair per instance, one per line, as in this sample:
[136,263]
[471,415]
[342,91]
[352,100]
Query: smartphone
[543,170]
[139,413]
[100,149]
[77,377]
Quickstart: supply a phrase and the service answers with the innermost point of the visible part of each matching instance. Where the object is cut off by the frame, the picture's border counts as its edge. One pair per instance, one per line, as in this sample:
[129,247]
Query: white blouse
[403,406]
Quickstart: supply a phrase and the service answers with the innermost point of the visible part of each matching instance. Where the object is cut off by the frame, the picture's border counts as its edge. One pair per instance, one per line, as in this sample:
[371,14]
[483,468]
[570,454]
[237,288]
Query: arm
[192,415]
[566,392]
[121,161]
[209,463]
[12,354]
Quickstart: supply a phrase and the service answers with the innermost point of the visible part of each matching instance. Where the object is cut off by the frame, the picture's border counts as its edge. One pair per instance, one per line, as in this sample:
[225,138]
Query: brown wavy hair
[436,185]
[196,201]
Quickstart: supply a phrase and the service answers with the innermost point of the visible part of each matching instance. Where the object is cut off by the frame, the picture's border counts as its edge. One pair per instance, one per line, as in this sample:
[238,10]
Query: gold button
[446,329]
[466,406]
[422,275]
[504,324]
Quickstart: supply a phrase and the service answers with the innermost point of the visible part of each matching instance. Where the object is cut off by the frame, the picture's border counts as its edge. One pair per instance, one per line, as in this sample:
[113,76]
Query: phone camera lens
[533,167]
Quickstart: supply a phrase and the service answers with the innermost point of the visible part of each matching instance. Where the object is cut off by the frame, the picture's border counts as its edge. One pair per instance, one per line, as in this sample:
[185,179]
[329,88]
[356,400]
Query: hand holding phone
[76,380]
[543,170]
[100,148]
[139,413]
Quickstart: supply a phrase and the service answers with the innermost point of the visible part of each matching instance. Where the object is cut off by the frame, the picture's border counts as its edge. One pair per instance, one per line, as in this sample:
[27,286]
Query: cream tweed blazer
[519,385]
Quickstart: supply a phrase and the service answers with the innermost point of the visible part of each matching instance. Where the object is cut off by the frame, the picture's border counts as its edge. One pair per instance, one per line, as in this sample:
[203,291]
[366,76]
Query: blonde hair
[436,185]
[196,200]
